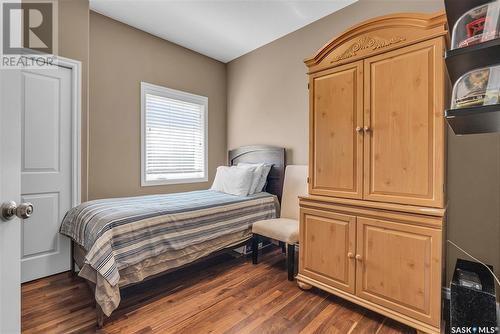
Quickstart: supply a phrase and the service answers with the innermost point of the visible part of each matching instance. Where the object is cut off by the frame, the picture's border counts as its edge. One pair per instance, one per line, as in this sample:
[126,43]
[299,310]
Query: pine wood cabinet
[371,228]
[377,128]
[389,262]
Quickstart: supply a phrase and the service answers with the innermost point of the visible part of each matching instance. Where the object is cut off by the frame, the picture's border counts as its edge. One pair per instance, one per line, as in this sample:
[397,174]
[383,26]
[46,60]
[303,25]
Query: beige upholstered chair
[286,228]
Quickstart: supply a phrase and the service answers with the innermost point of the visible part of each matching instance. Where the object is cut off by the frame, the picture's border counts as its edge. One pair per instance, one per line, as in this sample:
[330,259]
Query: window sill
[145,183]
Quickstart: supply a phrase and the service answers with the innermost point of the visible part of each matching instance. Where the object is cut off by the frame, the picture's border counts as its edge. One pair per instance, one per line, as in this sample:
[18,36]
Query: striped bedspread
[120,232]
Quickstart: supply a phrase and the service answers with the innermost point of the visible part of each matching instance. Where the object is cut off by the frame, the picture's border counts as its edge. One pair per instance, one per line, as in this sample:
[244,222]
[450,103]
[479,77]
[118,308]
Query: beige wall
[474,198]
[267,88]
[74,43]
[120,58]
[268,104]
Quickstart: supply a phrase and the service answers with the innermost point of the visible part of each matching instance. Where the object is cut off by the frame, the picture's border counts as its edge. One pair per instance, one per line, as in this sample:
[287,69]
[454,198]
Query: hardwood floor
[221,295]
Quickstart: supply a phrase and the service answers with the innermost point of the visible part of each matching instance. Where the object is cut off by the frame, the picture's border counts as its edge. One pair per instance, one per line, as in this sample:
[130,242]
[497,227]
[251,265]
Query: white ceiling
[221,29]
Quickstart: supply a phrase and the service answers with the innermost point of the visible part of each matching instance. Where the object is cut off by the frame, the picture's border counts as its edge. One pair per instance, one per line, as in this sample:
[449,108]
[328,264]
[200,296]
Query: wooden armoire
[372,226]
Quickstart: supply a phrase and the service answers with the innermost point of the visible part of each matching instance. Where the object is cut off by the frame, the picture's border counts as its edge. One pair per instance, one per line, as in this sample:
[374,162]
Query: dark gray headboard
[266,154]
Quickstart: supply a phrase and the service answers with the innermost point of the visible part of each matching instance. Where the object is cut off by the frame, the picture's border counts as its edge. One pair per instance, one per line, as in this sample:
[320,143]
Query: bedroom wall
[267,88]
[120,58]
[268,104]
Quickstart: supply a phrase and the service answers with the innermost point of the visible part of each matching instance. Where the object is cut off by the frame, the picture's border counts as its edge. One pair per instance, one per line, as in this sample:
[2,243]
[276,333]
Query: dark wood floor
[222,295]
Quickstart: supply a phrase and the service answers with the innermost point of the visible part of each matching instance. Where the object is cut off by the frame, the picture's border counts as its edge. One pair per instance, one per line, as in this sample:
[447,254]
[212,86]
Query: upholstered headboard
[263,154]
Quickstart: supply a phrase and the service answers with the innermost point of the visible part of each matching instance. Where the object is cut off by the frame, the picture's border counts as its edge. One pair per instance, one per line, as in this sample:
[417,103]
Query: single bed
[123,241]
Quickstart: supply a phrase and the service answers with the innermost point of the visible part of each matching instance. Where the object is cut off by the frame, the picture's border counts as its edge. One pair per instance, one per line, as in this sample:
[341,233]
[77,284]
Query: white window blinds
[174,136]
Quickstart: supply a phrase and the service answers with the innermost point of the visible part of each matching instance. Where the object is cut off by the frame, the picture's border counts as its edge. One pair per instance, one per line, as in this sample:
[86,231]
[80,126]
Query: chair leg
[283,247]
[255,248]
[291,261]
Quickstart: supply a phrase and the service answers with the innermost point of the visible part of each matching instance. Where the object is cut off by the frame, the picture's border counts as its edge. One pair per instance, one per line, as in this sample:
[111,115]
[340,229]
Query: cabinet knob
[350,255]
[367,129]
[358,129]
[358,257]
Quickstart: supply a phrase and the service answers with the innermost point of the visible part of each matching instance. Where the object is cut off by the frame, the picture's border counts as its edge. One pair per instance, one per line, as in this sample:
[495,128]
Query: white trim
[76,131]
[446,293]
[180,95]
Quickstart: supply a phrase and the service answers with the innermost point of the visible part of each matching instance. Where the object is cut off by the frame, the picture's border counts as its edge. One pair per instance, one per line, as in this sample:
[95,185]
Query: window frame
[147,88]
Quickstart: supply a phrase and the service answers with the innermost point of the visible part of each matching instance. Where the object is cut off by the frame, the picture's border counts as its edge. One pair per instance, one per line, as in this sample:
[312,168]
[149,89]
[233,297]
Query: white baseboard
[446,293]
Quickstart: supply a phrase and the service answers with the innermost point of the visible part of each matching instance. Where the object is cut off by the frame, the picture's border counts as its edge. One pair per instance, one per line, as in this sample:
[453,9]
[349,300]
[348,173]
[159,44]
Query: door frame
[10,190]
[75,132]
[14,286]
[75,66]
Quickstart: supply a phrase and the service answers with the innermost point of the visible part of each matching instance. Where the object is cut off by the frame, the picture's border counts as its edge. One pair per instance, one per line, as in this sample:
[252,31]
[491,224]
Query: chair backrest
[295,185]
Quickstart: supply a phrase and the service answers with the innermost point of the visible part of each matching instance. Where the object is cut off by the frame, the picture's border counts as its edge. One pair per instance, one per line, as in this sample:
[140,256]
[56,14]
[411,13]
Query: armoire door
[398,266]
[336,152]
[327,246]
[404,129]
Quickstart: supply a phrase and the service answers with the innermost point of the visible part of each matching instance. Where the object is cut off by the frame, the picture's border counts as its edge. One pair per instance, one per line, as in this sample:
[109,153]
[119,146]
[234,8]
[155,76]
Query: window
[174,136]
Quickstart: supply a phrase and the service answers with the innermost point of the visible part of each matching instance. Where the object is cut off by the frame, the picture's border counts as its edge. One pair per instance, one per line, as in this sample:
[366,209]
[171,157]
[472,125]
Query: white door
[10,190]
[46,170]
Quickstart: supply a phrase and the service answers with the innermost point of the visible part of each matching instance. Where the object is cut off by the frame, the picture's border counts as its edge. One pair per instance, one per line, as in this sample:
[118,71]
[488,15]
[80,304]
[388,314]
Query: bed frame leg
[255,248]
[290,261]
[100,316]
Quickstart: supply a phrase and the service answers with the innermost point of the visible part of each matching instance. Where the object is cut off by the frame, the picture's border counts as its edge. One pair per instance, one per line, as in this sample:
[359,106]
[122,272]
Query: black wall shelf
[456,8]
[483,119]
[465,121]
[463,60]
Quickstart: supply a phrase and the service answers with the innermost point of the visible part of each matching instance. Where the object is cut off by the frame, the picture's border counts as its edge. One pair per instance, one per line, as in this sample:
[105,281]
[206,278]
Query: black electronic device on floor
[473,299]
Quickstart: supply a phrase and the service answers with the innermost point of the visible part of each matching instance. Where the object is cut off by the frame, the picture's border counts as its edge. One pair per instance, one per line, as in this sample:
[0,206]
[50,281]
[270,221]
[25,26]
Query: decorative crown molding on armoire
[371,228]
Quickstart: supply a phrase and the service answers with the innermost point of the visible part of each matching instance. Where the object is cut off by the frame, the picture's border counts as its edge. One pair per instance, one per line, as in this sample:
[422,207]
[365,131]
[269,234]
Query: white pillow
[257,173]
[260,175]
[233,180]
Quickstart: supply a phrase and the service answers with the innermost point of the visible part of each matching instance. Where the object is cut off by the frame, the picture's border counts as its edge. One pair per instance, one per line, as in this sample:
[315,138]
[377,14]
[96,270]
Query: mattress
[125,240]
[108,297]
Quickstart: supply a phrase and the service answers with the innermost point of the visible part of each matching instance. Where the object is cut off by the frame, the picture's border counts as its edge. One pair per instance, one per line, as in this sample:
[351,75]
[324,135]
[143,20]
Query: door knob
[11,209]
